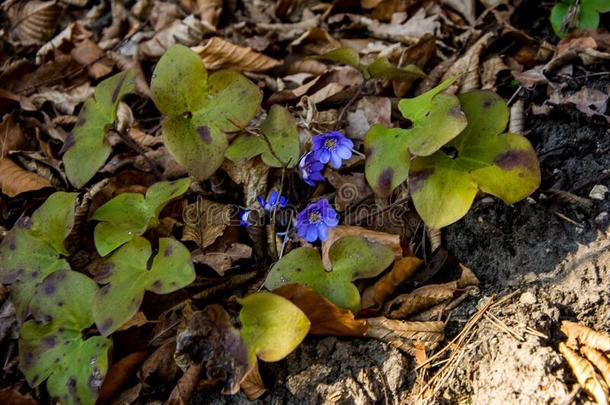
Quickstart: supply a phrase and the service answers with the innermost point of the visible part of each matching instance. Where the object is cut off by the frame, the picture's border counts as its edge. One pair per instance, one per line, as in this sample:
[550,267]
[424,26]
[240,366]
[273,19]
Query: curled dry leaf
[378,293]
[404,335]
[586,100]
[220,54]
[15,180]
[583,335]
[211,340]
[33,22]
[369,111]
[11,135]
[585,374]
[187,32]
[251,174]
[599,360]
[118,374]
[160,365]
[438,311]
[252,385]
[205,221]
[420,299]
[469,63]
[88,54]
[75,31]
[183,391]
[334,234]
[326,318]
[220,262]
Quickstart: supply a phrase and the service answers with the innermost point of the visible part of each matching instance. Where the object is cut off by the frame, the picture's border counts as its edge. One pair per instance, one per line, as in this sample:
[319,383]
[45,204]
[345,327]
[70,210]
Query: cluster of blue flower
[315,220]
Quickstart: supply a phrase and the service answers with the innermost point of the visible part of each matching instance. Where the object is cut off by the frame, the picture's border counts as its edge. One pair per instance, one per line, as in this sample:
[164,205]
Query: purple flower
[243,218]
[274,199]
[332,147]
[313,222]
[310,169]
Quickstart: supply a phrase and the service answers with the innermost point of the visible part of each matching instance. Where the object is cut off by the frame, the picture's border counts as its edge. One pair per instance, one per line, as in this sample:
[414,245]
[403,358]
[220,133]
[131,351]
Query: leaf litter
[134,100]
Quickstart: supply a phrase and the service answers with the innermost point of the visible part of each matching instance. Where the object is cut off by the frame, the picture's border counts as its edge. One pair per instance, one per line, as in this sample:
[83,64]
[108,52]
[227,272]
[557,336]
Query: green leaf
[52,347]
[504,165]
[435,120]
[33,247]
[588,14]
[198,113]
[280,128]
[179,81]
[131,214]
[127,277]
[272,326]
[382,68]
[86,149]
[352,258]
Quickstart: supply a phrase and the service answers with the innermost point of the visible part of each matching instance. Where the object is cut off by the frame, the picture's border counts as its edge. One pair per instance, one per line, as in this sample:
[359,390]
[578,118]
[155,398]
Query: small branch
[350,102]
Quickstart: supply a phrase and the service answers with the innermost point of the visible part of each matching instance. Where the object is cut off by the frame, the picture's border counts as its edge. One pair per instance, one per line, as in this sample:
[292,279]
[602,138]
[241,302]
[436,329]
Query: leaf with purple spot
[352,258]
[280,131]
[200,110]
[33,248]
[131,214]
[505,165]
[51,346]
[127,274]
[86,148]
[435,119]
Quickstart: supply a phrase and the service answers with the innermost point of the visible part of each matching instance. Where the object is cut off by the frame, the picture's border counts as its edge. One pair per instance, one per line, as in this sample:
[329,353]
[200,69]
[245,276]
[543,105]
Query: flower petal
[344,152]
[325,155]
[335,161]
[312,233]
[322,231]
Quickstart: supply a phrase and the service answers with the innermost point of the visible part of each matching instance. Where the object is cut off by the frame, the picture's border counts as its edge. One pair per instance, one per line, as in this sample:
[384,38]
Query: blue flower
[243,218]
[311,169]
[313,222]
[332,147]
[274,199]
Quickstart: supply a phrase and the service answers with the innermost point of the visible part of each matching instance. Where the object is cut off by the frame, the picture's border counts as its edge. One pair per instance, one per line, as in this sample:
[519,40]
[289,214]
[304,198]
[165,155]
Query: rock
[527,298]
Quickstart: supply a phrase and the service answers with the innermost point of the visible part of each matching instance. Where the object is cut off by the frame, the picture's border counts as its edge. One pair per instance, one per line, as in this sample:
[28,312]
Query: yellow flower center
[314,217]
[330,143]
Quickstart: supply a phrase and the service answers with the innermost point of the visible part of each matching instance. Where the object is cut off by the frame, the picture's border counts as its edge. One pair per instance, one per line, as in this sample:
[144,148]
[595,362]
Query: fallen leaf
[64,101]
[211,340]
[378,293]
[351,189]
[11,135]
[12,396]
[88,54]
[74,32]
[465,7]
[326,318]
[369,111]
[466,68]
[183,391]
[188,32]
[580,334]
[220,262]
[205,221]
[589,101]
[585,374]
[160,365]
[334,234]
[251,174]
[34,21]
[405,335]
[599,360]
[218,53]
[252,385]
[420,299]
[118,374]
[15,180]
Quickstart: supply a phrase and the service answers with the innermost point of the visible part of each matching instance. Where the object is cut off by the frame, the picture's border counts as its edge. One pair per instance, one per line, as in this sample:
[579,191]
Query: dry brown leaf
[586,100]
[87,53]
[585,374]
[378,293]
[14,180]
[188,32]
[351,189]
[583,335]
[74,32]
[160,365]
[369,111]
[220,262]
[326,318]
[465,7]
[467,67]
[599,360]
[252,385]
[467,277]
[138,319]
[419,54]
[420,299]
[289,32]
[334,234]
[34,21]
[436,312]
[143,139]
[315,41]
[252,175]
[65,101]
[405,336]
[12,396]
[204,221]
[183,391]
[218,54]
[11,135]
[119,373]
[327,92]
[491,69]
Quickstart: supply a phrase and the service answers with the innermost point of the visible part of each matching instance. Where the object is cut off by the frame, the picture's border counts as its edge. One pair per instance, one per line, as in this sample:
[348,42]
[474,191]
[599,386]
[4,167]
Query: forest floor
[539,262]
